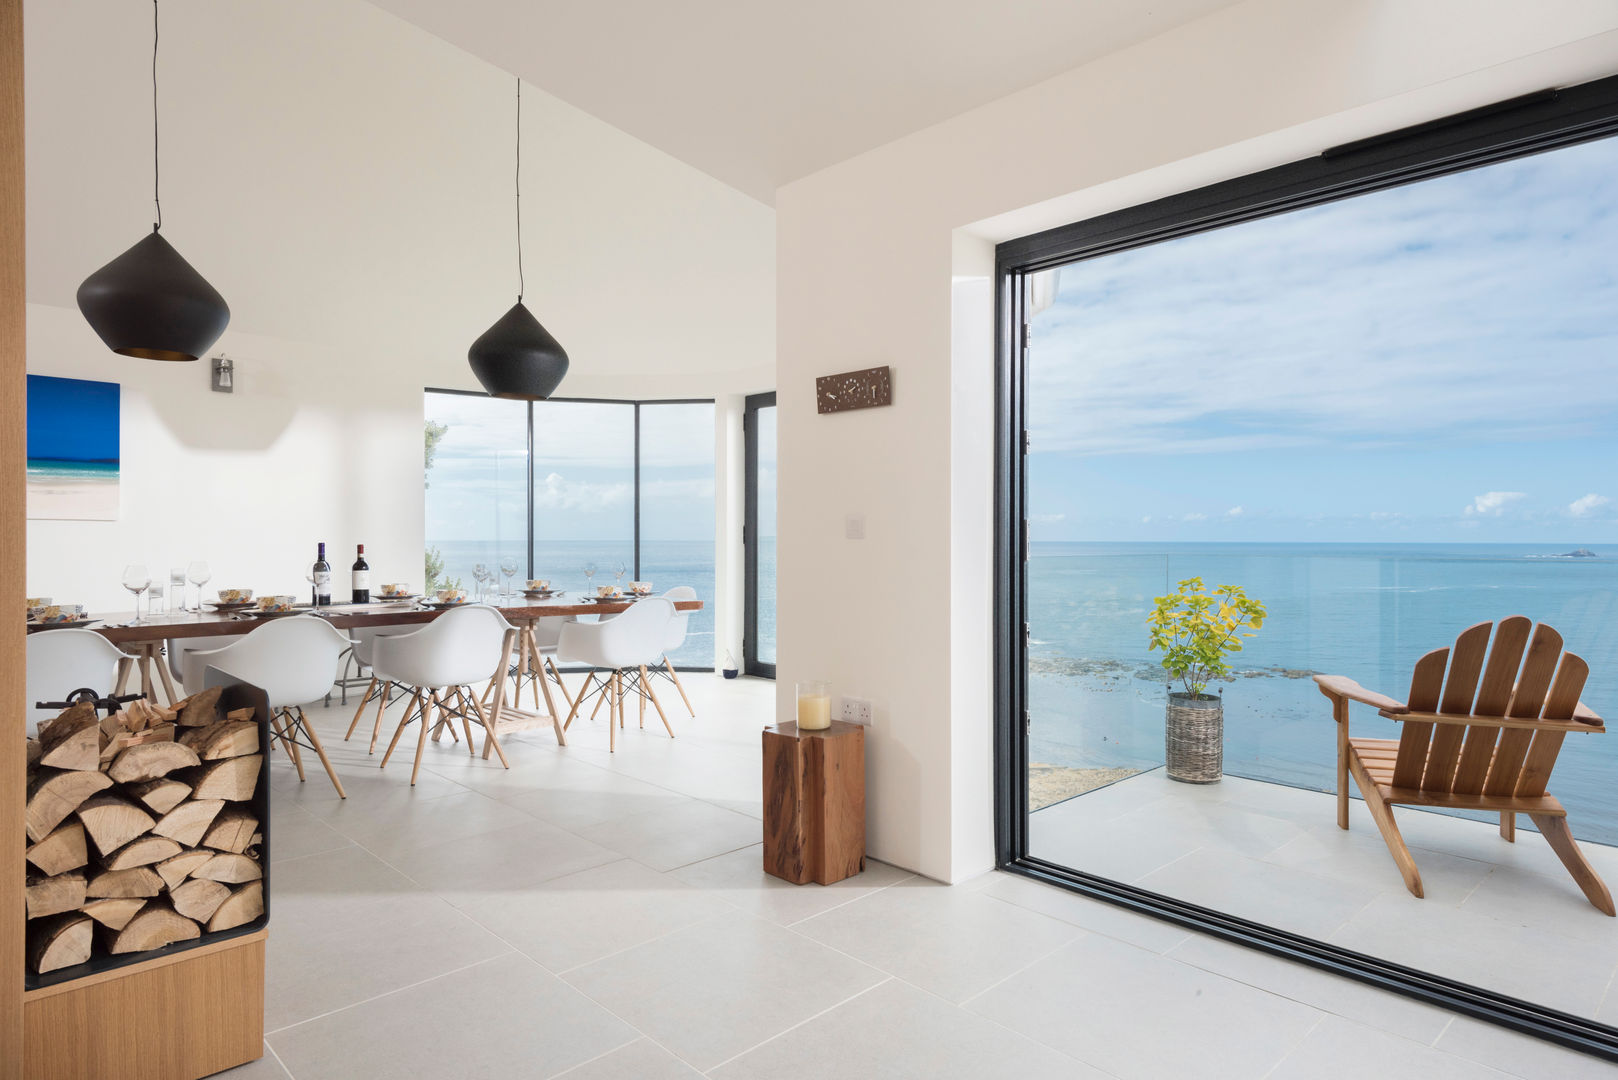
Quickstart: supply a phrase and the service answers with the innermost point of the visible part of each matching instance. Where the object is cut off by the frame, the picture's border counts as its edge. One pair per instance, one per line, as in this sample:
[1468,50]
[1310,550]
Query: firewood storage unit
[179,1012]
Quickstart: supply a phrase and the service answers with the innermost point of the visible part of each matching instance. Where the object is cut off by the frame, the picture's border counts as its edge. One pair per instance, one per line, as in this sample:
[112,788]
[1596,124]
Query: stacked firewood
[140,828]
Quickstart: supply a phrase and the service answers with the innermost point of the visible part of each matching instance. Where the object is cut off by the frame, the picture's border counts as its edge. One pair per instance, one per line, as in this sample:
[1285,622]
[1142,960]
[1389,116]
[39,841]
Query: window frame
[1533,123]
[751,664]
[635,404]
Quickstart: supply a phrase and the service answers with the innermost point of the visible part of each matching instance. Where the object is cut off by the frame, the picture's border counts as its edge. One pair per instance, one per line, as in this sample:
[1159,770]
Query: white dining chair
[440,663]
[177,648]
[293,660]
[381,691]
[62,661]
[678,627]
[618,652]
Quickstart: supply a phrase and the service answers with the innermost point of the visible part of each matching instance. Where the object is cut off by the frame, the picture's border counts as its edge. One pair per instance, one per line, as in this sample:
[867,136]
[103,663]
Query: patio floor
[1504,916]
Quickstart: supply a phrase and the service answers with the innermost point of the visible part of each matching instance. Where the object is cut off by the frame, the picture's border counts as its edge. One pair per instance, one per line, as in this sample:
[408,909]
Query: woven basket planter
[1194,738]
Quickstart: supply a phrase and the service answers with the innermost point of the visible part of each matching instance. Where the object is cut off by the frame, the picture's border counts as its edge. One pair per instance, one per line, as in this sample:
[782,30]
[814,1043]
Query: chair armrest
[1582,725]
[1587,715]
[1341,686]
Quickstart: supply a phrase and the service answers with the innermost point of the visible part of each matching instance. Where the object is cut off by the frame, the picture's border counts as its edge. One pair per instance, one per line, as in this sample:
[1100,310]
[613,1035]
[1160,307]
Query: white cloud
[1235,512]
[556,492]
[1147,520]
[1194,517]
[1048,519]
[1493,503]
[1587,505]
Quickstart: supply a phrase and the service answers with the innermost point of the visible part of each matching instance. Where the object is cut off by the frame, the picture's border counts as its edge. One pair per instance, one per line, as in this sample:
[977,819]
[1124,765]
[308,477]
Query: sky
[72,419]
[1430,363]
[584,475]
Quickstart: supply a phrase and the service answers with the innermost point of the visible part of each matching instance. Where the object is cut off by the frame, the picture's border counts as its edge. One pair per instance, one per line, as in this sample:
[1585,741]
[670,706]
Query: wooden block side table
[814,803]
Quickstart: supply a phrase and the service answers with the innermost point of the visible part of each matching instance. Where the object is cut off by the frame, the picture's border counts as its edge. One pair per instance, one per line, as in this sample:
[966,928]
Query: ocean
[1096,695]
[665,563]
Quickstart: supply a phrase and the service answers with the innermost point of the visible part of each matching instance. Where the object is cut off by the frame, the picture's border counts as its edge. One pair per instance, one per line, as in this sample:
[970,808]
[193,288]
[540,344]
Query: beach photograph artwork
[73,444]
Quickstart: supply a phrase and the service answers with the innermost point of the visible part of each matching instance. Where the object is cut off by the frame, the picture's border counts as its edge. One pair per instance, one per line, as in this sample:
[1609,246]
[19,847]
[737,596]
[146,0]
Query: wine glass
[199,574]
[137,579]
[480,574]
[620,572]
[589,576]
[508,567]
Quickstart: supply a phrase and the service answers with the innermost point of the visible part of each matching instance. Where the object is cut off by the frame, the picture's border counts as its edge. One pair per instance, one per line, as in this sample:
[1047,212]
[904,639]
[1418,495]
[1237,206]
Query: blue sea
[1367,611]
[665,563]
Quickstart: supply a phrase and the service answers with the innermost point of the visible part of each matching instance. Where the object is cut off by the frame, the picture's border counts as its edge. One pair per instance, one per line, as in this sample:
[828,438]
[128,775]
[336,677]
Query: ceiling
[759,93]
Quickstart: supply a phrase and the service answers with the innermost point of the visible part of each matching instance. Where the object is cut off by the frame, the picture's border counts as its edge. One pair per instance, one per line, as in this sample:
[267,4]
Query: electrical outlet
[856,711]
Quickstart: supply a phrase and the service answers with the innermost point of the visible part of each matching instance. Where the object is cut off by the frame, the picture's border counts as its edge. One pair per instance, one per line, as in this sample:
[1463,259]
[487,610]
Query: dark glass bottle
[322,579]
[362,578]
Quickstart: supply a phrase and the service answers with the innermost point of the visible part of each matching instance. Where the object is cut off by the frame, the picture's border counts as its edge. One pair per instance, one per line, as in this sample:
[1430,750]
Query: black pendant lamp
[517,357]
[149,302]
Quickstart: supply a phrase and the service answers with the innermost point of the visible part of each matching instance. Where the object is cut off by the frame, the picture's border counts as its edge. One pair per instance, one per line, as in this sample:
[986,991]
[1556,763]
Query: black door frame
[751,664]
[1509,129]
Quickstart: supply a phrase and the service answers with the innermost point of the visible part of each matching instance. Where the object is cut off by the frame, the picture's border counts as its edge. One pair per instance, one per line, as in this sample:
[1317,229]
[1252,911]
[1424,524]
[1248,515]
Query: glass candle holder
[814,706]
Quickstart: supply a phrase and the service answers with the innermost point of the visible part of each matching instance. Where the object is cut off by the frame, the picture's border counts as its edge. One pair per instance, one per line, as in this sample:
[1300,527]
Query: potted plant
[1197,631]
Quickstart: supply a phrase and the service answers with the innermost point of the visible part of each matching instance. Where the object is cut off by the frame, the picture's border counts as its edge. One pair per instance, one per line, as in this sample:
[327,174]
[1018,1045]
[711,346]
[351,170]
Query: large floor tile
[1519,1055]
[713,990]
[295,833]
[1159,935]
[267,1067]
[640,1060]
[1282,897]
[392,828]
[573,920]
[671,838]
[500,860]
[345,927]
[901,1033]
[507,1017]
[1142,1016]
[584,795]
[1339,1049]
[949,941]
[1331,993]
[738,878]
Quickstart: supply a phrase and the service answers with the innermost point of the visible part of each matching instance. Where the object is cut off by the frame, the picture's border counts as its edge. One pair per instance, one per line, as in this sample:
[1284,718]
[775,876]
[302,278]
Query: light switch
[854,527]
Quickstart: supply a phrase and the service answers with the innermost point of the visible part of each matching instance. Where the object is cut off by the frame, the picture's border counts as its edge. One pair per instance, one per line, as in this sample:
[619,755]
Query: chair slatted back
[1523,675]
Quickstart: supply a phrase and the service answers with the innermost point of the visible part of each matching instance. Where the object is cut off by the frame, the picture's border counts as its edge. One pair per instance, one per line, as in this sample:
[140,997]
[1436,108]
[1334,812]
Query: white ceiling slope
[758,93]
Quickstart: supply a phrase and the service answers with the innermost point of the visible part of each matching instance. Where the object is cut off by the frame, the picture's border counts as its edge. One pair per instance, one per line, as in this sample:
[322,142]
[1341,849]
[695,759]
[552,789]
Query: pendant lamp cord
[519,188]
[156,199]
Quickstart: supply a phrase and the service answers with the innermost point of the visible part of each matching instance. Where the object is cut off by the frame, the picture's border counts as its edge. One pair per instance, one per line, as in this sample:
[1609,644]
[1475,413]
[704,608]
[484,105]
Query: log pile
[141,829]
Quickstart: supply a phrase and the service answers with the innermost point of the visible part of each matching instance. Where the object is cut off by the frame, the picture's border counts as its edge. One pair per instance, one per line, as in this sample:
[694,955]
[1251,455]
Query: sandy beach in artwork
[72,491]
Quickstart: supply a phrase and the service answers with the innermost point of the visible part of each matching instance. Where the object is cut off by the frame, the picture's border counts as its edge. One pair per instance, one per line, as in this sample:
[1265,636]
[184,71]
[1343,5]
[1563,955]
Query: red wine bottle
[362,578]
[322,579]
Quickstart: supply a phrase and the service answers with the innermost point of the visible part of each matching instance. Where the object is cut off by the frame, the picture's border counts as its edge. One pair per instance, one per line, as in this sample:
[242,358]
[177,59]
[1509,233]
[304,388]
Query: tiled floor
[603,916]
[1275,854]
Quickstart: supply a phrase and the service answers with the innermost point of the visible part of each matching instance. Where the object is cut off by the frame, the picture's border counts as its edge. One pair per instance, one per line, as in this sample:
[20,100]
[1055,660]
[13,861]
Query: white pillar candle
[814,707]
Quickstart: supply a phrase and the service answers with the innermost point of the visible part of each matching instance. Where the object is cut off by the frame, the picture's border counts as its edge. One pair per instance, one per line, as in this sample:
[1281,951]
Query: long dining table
[143,640]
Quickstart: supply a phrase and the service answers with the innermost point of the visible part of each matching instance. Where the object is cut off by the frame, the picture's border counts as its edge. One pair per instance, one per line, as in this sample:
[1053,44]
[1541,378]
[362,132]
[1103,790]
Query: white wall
[881,260]
[345,180]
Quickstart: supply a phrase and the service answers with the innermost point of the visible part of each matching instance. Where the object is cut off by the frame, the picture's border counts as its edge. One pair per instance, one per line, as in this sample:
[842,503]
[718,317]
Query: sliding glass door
[677,511]
[758,643]
[1319,422]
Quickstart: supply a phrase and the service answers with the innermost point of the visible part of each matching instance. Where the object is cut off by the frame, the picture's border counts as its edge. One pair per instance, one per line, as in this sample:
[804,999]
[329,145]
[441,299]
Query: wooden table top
[115,628]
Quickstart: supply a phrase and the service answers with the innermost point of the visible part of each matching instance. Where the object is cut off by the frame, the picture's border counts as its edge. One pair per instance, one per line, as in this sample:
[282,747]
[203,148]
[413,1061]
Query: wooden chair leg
[679,686]
[1560,838]
[612,728]
[381,707]
[619,678]
[647,683]
[1508,826]
[289,739]
[550,707]
[415,701]
[1382,814]
[560,685]
[643,687]
[491,739]
[603,700]
[314,741]
[365,699]
[589,680]
[421,736]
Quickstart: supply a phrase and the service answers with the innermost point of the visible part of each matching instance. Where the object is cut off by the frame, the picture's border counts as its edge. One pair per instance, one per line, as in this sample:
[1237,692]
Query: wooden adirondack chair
[1485,738]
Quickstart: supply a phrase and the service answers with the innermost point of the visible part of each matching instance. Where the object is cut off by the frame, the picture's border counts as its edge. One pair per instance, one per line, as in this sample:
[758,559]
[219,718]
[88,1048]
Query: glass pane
[677,514]
[584,492]
[764,651]
[1385,418]
[477,488]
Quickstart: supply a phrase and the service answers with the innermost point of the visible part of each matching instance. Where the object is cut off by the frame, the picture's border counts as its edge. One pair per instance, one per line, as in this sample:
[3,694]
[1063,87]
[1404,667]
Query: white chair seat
[62,661]
[621,647]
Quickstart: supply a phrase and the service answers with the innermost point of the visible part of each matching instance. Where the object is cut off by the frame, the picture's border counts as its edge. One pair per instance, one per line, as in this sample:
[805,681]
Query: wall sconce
[224,374]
